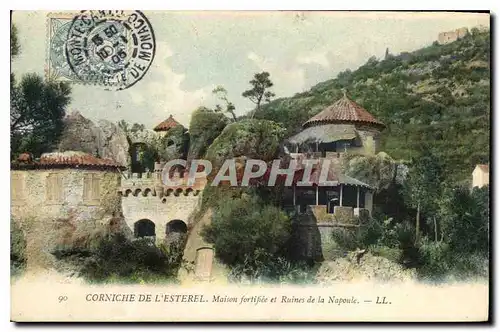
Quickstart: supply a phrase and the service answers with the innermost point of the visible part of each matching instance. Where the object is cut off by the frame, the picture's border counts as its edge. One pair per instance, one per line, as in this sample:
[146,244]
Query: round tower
[344,126]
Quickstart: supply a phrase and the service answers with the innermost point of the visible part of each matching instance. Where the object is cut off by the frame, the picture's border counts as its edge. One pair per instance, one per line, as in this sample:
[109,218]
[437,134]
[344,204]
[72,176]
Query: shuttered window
[17,187]
[54,188]
[91,191]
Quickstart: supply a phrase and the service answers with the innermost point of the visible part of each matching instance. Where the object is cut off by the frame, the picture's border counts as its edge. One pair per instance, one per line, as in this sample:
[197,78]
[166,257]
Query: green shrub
[346,238]
[248,235]
[466,266]
[204,128]
[435,257]
[462,253]
[17,249]
[267,268]
[439,261]
[388,239]
[349,239]
[465,219]
[118,259]
[251,138]
[392,254]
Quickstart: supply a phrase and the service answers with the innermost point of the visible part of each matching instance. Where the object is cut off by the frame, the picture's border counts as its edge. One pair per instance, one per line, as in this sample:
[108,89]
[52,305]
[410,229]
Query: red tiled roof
[167,124]
[334,175]
[343,110]
[484,167]
[71,159]
[74,158]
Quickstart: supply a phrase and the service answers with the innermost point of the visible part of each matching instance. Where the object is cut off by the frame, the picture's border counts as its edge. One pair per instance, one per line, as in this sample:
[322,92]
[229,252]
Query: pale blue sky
[197,51]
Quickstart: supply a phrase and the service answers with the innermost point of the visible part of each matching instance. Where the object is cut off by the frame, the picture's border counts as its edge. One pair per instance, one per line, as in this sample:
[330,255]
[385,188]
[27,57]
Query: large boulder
[254,139]
[112,143]
[105,140]
[79,134]
[204,128]
[145,136]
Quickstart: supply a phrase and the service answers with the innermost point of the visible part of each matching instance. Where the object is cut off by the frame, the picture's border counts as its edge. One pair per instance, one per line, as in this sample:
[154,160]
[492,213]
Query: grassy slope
[437,96]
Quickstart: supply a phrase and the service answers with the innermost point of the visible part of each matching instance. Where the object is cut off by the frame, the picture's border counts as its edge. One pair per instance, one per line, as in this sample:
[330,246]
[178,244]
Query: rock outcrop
[204,128]
[366,267]
[79,134]
[146,136]
[252,138]
[105,140]
[112,142]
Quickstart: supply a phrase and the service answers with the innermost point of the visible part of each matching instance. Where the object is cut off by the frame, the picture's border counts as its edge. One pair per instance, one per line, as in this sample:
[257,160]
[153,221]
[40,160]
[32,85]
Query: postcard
[191,166]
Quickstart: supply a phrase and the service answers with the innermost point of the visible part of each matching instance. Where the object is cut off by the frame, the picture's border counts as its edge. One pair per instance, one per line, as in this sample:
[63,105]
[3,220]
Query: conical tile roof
[167,124]
[343,110]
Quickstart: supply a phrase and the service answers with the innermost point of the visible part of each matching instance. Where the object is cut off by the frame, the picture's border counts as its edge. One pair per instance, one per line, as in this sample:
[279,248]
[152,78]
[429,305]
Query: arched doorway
[144,228]
[175,232]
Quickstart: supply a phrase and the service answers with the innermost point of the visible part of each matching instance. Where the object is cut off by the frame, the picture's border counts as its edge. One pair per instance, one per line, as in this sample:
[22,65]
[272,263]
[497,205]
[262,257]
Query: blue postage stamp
[113,49]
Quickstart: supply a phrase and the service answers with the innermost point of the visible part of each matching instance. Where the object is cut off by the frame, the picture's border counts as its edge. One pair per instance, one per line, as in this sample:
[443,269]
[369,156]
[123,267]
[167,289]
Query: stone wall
[368,139]
[343,215]
[451,36]
[159,209]
[312,231]
[329,248]
[306,241]
[53,206]
[30,193]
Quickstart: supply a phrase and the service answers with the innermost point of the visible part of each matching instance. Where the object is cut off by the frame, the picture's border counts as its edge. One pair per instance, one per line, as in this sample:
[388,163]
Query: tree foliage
[465,219]
[229,107]
[17,248]
[247,233]
[258,139]
[204,128]
[379,171]
[438,95]
[463,250]
[126,127]
[14,42]
[424,181]
[37,109]
[261,83]
[423,185]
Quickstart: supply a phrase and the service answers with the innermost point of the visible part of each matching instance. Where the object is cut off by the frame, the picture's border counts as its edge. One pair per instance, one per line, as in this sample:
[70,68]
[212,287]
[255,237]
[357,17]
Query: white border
[205,5]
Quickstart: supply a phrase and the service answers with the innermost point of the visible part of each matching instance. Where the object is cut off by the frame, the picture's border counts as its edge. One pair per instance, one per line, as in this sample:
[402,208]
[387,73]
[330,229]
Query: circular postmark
[110,48]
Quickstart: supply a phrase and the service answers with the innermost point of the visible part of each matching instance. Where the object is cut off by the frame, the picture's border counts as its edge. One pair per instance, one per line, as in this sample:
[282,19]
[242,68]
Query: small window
[53,188]
[17,187]
[91,188]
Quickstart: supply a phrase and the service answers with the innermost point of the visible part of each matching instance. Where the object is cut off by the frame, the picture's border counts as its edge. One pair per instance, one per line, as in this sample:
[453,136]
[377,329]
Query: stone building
[163,127]
[63,189]
[451,36]
[343,127]
[61,181]
[90,191]
[140,140]
[165,214]
[153,209]
[481,176]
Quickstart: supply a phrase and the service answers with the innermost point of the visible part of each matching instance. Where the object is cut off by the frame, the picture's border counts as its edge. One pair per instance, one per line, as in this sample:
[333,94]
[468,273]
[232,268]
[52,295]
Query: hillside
[438,96]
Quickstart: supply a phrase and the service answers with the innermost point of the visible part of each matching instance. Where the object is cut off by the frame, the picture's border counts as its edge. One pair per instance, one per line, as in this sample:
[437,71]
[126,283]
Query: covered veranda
[342,193]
